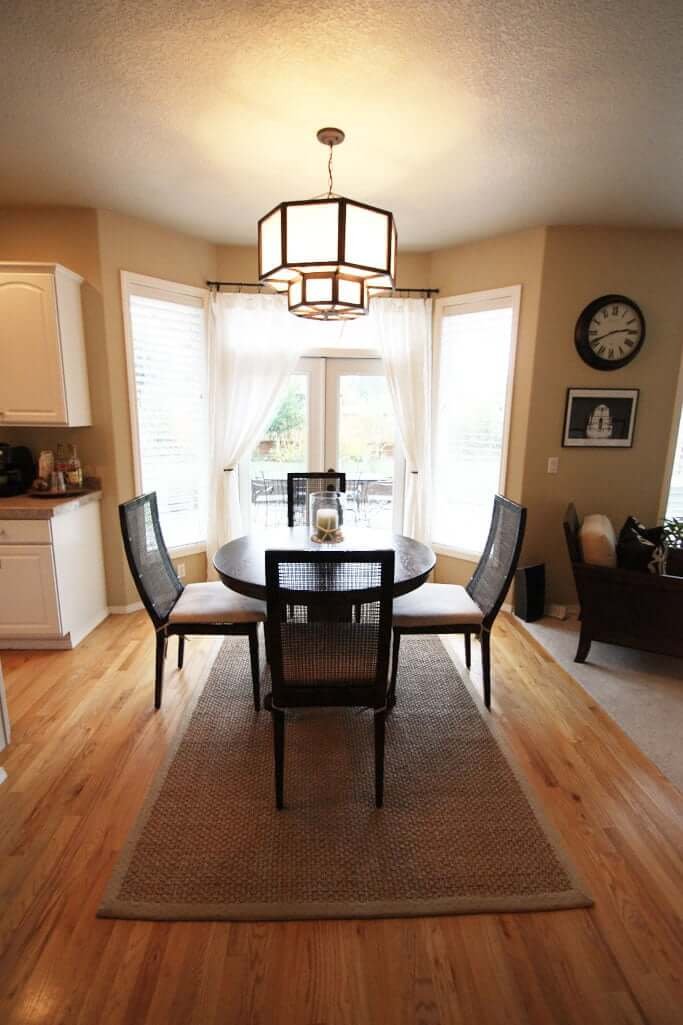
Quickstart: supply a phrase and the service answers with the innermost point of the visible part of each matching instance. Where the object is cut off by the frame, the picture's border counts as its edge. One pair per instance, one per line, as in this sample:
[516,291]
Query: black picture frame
[600,417]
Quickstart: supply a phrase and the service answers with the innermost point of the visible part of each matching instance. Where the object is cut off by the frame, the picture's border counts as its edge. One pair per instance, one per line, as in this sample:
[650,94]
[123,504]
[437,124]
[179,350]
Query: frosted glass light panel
[474,367]
[367,237]
[674,505]
[270,243]
[312,232]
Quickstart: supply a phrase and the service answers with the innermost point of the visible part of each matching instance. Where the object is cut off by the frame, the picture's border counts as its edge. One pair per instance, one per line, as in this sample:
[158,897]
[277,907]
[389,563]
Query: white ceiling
[465,117]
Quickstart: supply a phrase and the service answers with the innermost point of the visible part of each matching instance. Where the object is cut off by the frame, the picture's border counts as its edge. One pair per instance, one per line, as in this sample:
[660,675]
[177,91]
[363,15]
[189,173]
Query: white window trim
[509,296]
[154,288]
[671,450]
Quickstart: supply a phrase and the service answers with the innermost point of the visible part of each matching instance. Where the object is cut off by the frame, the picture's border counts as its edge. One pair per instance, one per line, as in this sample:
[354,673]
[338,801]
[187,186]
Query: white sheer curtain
[403,329]
[254,346]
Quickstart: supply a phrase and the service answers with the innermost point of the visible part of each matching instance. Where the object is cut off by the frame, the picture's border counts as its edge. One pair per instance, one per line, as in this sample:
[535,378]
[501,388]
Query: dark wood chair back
[150,564]
[329,626]
[496,568]
[301,485]
[571,533]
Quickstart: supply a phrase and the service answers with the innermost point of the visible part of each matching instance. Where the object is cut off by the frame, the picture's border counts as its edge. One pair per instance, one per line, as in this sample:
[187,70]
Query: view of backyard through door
[334,413]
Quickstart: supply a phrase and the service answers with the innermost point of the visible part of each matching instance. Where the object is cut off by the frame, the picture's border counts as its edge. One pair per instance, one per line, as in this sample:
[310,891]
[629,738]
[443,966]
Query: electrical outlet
[180,570]
[553,464]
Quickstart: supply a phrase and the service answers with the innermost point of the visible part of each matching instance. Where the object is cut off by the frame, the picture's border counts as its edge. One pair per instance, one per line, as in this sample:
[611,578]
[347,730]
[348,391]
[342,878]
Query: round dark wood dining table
[241,563]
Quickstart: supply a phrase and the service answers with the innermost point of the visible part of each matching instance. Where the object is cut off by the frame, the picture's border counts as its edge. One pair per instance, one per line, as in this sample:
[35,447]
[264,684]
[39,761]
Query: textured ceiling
[465,117]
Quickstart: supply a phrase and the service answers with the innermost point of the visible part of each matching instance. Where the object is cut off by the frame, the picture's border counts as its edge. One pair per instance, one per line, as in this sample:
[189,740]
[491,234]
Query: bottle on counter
[74,471]
[46,464]
[60,459]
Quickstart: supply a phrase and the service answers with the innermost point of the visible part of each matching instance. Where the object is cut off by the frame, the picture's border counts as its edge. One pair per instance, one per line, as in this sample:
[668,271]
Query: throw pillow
[641,548]
[598,543]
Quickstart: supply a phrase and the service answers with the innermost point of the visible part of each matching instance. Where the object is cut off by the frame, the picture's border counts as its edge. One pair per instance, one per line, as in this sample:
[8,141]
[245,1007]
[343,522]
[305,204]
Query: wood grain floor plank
[86,747]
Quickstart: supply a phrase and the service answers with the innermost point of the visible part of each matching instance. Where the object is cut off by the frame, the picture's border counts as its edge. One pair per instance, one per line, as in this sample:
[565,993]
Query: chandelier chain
[329,173]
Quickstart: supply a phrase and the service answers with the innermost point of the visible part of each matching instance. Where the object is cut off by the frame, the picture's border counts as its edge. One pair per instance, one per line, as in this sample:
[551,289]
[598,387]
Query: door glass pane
[282,450]
[366,438]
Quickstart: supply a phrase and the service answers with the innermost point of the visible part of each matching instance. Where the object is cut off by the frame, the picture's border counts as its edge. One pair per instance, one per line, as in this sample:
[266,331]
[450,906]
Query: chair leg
[279,751]
[468,650]
[255,666]
[380,722]
[159,674]
[181,650]
[391,697]
[584,645]
[486,665]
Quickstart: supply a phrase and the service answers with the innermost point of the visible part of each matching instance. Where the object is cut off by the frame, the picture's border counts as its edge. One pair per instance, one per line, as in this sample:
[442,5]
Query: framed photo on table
[600,417]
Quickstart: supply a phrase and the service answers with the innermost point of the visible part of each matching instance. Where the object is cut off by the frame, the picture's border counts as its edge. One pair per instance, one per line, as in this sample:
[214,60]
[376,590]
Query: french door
[333,413]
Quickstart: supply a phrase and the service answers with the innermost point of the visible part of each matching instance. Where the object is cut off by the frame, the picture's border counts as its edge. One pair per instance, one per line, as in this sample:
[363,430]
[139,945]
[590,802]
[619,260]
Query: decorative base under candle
[328,537]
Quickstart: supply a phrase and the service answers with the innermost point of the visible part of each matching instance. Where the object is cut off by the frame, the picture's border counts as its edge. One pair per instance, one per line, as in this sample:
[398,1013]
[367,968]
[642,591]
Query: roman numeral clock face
[609,332]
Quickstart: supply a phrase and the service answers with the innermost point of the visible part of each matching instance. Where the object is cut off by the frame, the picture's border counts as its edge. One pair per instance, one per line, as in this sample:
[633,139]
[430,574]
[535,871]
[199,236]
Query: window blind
[169,346]
[473,370]
[674,506]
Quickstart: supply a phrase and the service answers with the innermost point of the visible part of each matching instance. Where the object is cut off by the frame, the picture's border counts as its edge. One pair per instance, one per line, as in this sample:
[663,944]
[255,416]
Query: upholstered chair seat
[436,603]
[213,602]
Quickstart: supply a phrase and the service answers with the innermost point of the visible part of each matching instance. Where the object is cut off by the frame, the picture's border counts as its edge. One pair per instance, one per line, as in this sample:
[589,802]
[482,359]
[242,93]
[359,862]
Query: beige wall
[70,236]
[98,245]
[560,270]
[580,265]
[515,259]
[127,243]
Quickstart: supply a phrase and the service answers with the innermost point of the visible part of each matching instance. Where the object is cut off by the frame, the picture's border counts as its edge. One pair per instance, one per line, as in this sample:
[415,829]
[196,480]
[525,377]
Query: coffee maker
[17,469]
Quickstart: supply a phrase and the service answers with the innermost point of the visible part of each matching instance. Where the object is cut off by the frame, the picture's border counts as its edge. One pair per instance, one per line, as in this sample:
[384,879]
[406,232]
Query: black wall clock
[609,332]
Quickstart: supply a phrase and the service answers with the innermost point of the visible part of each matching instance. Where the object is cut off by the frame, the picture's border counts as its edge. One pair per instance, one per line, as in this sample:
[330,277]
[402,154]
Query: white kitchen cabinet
[29,606]
[44,378]
[52,587]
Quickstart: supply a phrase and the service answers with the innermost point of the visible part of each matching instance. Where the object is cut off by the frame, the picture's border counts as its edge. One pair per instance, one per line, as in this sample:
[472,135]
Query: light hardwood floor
[86,744]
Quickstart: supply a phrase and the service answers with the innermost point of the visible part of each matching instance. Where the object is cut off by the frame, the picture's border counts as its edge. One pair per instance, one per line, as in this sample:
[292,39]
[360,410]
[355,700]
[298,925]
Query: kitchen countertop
[25,507]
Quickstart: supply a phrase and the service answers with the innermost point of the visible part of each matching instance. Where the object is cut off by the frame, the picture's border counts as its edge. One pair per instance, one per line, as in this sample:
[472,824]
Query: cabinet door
[28,592]
[31,381]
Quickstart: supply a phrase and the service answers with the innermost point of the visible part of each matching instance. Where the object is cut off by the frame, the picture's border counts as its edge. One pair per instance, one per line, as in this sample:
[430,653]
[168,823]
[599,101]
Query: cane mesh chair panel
[301,486]
[148,556]
[498,557]
[330,621]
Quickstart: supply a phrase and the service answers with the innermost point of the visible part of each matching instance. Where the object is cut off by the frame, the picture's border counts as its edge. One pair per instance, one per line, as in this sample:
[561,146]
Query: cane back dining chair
[301,485]
[450,608]
[205,608]
[320,652]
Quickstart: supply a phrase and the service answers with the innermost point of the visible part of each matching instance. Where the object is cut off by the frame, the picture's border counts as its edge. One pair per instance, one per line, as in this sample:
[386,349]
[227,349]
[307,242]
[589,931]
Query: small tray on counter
[49,493]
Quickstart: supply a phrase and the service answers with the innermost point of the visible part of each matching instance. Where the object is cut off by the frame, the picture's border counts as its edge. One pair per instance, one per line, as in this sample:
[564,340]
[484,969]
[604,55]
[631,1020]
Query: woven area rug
[457,833]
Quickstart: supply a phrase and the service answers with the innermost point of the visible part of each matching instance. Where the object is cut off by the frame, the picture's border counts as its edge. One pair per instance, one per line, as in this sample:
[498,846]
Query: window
[166,345]
[474,363]
[674,498]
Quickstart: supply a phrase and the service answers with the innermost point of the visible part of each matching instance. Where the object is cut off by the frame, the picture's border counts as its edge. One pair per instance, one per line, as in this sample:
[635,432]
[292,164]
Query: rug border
[575,898]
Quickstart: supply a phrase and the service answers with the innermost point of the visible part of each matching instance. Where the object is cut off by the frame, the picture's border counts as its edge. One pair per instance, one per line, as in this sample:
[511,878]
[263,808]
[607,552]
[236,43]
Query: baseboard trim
[78,635]
[36,643]
[124,610]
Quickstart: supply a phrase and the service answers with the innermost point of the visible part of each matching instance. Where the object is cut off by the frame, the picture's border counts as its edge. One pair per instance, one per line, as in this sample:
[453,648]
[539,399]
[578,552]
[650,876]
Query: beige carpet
[456,835]
[643,692]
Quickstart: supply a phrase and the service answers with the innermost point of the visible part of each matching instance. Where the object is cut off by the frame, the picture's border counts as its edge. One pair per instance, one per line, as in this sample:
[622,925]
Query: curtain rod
[259,284]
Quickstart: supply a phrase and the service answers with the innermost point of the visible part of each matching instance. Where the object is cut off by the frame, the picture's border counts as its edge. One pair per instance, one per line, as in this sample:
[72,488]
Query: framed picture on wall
[600,417]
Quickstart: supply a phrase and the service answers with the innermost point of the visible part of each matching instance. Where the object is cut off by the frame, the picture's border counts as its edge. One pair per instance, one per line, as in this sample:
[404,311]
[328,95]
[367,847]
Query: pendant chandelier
[327,252]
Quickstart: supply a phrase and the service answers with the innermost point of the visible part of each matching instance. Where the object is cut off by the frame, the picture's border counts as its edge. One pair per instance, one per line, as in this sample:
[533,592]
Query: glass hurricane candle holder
[326,515]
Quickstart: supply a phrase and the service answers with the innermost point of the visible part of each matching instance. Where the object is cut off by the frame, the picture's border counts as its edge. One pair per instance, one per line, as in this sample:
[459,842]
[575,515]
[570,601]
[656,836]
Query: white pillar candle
[326,520]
